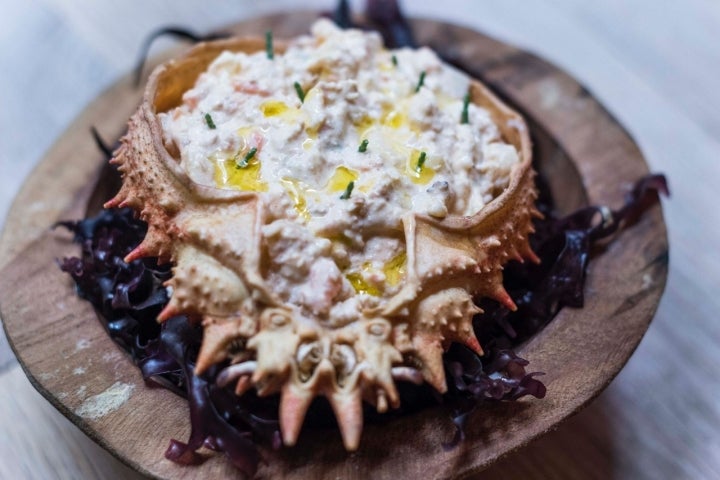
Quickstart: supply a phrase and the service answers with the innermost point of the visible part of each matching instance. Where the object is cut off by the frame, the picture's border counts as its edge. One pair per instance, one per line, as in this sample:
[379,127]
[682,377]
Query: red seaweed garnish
[210,418]
[387,18]
[564,246]
[129,297]
[342,16]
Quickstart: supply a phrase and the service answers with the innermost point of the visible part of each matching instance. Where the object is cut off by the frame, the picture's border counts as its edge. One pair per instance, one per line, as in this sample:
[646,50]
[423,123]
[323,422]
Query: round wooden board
[586,155]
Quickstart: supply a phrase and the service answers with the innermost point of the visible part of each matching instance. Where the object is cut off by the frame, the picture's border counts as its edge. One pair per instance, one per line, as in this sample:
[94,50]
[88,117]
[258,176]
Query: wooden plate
[584,152]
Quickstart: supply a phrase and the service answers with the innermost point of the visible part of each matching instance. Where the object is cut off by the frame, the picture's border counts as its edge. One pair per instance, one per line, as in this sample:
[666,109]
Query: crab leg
[236,371]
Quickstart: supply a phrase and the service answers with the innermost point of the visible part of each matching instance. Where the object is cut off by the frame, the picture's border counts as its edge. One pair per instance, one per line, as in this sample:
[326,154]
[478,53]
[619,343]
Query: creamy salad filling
[341,138]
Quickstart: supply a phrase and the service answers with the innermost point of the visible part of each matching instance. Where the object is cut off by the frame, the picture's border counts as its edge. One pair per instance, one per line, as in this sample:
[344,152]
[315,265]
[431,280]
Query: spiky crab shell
[213,237]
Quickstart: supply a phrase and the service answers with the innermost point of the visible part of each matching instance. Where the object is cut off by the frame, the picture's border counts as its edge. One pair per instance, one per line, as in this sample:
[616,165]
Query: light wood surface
[654,67]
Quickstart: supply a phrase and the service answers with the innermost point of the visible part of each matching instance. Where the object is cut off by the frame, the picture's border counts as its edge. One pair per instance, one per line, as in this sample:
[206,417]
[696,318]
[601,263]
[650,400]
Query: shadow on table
[583,447]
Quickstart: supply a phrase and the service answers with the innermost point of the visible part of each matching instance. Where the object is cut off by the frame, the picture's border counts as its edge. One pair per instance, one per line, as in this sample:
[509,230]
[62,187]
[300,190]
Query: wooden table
[656,69]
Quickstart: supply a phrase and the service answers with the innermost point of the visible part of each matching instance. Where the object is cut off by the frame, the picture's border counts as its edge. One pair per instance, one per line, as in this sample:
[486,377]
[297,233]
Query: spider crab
[213,238]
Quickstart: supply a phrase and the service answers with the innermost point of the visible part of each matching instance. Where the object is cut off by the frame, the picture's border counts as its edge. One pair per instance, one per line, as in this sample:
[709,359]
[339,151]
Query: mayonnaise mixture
[342,139]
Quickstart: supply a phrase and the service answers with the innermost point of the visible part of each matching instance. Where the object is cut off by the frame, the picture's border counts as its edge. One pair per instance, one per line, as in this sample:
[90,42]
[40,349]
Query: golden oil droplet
[273,108]
[420,175]
[297,192]
[229,175]
[340,179]
[312,132]
[361,285]
[394,119]
[394,269]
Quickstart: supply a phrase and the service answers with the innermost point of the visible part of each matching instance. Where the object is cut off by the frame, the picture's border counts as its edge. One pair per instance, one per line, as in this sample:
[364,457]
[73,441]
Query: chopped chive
[348,191]
[300,93]
[246,160]
[363,146]
[209,121]
[394,60]
[420,162]
[464,118]
[421,81]
[250,154]
[269,45]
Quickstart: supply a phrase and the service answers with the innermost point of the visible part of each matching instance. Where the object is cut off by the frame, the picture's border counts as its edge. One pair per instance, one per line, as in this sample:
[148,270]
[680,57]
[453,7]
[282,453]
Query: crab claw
[171,310]
[429,350]
[502,296]
[473,343]
[217,335]
[294,404]
[407,374]
[243,384]
[113,202]
[348,411]
[532,256]
[233,372]
[139,252]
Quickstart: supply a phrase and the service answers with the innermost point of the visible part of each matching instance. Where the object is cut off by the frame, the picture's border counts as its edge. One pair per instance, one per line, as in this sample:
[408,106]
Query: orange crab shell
[212,236]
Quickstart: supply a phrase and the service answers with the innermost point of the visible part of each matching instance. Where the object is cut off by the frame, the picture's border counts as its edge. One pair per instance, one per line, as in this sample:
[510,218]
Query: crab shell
[213,238]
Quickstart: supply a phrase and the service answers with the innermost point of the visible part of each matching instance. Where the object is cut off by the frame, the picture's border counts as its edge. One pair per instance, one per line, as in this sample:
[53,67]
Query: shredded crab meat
[306,152]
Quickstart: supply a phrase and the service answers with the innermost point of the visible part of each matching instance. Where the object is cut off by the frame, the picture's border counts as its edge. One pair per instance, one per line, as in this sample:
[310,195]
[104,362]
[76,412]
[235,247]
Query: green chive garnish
[421,81]
[269,45]
[363,146]
[421,162]
[209,121]
[466,103]
[248,156]
[300,93]
[348,191]
[394,60]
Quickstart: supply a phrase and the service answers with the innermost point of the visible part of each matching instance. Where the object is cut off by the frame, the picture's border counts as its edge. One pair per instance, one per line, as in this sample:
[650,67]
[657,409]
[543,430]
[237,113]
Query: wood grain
[624,287]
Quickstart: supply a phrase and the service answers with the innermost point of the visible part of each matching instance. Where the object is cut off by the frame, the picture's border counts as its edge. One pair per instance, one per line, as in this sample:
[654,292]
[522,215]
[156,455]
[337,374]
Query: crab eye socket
[378,328]
[275,318]
[343,358]
[308,357]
